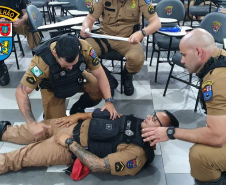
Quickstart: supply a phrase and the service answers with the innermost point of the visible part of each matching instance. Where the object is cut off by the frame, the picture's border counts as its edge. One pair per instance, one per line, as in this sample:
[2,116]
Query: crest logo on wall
[6,41]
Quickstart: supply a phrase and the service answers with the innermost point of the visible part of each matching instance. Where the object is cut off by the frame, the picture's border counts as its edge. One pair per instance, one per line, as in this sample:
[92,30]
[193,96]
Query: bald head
[199,38]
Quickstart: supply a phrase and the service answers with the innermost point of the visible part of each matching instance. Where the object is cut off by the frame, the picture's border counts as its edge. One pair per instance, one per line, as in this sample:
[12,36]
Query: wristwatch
[110,100]
[170,132]
[68,142]
[143,32]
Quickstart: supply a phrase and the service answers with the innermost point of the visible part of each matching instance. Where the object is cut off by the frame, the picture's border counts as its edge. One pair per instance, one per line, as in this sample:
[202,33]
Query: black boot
[112,81]
[3,126]
[128,82]
[84,101]
[4,75]
[220,181]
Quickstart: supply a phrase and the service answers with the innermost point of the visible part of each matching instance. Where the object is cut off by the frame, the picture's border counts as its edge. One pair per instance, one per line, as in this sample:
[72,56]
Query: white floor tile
[8,99]
[23,63]
[175,99]
[35,95]
[57,168]
[162,66]
[175,156]
[8,147]
[158,149]
[1,143]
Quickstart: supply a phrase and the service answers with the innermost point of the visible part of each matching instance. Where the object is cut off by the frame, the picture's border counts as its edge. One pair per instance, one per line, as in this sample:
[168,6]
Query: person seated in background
[123,151]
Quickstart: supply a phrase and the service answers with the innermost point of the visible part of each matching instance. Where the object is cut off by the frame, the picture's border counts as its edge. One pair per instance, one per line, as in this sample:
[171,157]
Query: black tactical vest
[105,135]
[210,65]
[64,83]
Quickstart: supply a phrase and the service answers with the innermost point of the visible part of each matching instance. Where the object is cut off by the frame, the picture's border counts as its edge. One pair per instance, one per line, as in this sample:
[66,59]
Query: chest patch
[207,90]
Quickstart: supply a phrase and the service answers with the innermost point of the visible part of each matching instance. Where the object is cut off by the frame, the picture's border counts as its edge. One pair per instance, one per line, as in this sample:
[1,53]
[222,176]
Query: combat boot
[128,82]
[220,181]
[3,126]
[4,74]
[84,101]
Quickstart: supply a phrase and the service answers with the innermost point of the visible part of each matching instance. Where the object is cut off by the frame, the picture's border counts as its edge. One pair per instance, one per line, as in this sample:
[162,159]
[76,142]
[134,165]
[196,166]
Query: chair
[200,10]
[42,4]
[115,55]
[166,9]
[65,8]
[81,5]
[35,20]
[14,48]
[218,34]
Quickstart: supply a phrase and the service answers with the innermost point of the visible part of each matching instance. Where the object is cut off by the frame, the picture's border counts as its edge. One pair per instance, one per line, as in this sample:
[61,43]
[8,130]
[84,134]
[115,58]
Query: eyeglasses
[155,118]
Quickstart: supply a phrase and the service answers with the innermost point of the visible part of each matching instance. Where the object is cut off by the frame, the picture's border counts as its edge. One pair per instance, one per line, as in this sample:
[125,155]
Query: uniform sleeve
[216,105]
[96,9]
[90,56]
[147,9]
[128,160]
[36,71]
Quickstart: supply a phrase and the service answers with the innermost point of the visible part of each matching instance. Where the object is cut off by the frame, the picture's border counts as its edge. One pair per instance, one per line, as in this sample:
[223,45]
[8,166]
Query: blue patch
[207,92]
[148,2]
[6,41]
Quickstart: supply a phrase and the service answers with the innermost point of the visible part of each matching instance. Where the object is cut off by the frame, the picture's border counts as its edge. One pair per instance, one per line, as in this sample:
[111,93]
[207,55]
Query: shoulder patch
[207,90]
[36,71]
[134,163]
[91,9]
[31,79]
[147,1]
[151,9]
[119,166]
[93,54]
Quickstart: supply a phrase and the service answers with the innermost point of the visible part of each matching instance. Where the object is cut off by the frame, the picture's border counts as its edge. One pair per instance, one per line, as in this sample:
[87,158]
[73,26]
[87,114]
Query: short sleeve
[96,9]
[128,160]
[147,9]
[214,92]
[36,71]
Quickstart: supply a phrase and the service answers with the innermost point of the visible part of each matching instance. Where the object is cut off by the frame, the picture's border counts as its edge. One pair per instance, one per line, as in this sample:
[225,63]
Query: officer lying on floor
[123,151]
[59,69]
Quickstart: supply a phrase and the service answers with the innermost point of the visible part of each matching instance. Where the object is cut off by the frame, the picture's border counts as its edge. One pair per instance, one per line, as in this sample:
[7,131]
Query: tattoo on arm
[93,162]
[27,105]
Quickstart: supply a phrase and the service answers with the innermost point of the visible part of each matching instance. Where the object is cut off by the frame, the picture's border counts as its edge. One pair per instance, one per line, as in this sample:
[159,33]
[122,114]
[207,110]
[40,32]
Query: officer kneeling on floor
[102,145]
[208,156]
[58,68]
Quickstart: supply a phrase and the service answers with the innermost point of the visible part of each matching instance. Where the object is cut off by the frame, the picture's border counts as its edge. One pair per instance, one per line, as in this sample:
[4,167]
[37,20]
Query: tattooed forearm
[28,113]
[93,162]
[25,104]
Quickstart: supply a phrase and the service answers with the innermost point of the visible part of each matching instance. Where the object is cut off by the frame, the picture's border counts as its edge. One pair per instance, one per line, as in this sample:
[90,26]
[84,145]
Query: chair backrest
[171,9]
[81,5]
[34,17]
[215,23]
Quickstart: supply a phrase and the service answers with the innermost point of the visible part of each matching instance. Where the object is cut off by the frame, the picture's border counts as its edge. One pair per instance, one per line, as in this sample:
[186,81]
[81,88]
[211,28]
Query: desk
[167,20]
[55,4]
[77,13]
[64,24]
[176,34]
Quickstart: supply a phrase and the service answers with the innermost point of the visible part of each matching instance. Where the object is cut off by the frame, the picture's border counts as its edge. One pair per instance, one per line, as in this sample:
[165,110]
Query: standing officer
[59,68]
[20,26]
[207,157]
[119,18]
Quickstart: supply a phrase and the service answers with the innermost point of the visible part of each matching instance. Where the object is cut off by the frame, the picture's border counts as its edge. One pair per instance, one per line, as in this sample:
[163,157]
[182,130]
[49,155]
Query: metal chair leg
[14,50]
[167,83]
[44,14]
[157,67]
[20,45]
[147,47]
[197,100]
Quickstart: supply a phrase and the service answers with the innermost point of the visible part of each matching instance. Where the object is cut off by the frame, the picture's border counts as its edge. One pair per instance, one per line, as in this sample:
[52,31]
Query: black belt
[76,132]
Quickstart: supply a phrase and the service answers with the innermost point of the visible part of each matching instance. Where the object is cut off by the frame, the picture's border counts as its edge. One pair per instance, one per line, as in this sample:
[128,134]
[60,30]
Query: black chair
[166,43]
[64,10]
[114,56]
[219,35]
[200,10]
[14,48]
[42,4]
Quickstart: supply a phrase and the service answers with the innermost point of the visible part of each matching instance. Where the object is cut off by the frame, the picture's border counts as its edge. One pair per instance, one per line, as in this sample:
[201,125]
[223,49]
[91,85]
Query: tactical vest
[64,83]
[105,135]
[210,65]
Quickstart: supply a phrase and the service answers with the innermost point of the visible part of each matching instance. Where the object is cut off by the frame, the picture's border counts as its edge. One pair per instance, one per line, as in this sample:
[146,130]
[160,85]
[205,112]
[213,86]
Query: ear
[200,53]
[54,53]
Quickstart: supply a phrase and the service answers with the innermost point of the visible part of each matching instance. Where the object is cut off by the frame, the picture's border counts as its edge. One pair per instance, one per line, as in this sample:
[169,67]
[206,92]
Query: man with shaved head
[207,157]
